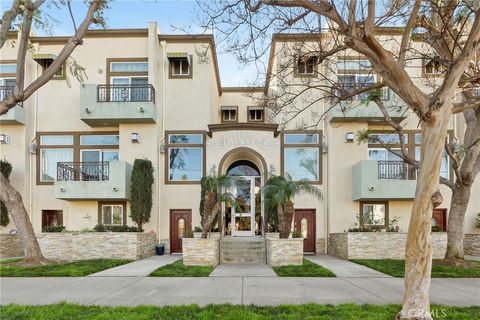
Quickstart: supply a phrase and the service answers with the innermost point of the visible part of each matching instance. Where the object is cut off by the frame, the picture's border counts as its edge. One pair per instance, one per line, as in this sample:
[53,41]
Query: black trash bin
[160,249]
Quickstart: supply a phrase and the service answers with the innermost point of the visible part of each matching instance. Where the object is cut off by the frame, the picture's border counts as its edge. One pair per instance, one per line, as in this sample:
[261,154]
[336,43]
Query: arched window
[243,168]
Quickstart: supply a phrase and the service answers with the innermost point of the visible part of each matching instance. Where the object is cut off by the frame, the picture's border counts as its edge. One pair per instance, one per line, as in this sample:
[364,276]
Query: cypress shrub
[6,170]
[141,191]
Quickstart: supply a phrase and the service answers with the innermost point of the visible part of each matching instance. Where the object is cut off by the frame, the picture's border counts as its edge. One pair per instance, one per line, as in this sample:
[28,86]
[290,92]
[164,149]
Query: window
[384,154]
[351,82]
[8,68]
[100,140]
[386,138]
[301,156]
[444,167]
[49,159]
[130,89]
[374,214]
[229,113]
[112,214]
[434,66]
[306,66]
[256,114]
[344,65]
[180,67]
[73,147]
[60,74]
[129,66]
[52,218]
[186,157]
[7,85]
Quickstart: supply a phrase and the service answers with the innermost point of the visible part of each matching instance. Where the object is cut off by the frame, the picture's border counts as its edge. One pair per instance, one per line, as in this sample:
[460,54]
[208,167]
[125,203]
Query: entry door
[180,224]
[243,214]
[439,219]
[305,223]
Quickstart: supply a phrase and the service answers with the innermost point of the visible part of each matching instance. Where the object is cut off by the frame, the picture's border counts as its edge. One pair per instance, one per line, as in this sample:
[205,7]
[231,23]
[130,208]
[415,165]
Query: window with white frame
[229,113]
[256,114]
[374,214]
[180,67]
[434,66]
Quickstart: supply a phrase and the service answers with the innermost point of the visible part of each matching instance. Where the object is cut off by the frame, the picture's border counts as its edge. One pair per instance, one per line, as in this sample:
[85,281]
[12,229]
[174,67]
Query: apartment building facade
[159,97]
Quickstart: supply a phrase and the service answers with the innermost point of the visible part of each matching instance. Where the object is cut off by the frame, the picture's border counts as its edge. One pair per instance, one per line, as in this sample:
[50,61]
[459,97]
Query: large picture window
[374,214]
[185,157]
[301,158]
[112,213]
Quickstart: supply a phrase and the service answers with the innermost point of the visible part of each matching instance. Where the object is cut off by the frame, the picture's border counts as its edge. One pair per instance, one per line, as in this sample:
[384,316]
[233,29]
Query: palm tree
[279,192]
[215,190]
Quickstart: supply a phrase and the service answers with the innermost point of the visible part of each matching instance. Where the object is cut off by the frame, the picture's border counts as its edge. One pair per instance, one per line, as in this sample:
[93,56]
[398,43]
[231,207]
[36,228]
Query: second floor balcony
[16,115]
[382,180]
[93,180]
[110,105]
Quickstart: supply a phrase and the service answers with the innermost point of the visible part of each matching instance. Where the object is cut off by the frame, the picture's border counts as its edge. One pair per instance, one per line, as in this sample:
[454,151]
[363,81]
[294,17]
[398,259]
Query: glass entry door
[243,214]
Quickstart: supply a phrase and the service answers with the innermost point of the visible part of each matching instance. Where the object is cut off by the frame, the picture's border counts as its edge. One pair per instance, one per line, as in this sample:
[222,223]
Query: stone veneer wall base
[201,252]
[471,244]
[11,246]
[284,252]
[379,245]
[97,245]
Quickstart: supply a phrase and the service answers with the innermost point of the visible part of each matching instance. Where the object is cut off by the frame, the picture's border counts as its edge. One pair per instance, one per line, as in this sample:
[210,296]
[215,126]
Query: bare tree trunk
[13,201]
[456,218]
[209,218]
[418,263]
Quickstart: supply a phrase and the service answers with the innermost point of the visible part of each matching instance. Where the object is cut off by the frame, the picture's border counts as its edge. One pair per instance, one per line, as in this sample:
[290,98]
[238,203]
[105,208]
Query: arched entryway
[246,217]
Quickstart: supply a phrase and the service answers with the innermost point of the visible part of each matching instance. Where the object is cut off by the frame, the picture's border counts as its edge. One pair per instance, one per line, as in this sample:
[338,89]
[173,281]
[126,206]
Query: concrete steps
[236,250]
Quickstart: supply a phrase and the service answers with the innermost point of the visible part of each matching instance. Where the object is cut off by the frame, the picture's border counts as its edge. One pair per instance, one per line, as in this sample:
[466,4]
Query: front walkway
[139,268]
[346,269]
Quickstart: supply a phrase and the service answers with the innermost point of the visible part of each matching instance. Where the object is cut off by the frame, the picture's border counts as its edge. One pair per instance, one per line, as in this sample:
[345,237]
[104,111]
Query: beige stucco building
[152,96]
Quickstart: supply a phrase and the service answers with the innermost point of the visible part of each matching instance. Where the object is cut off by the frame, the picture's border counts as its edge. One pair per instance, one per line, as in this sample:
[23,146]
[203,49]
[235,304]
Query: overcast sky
[172,17]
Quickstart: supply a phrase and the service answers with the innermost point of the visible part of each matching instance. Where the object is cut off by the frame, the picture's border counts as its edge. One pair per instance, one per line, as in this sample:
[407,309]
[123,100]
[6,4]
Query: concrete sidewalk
[345,268]
[243,270]
[139,268]
[133,291]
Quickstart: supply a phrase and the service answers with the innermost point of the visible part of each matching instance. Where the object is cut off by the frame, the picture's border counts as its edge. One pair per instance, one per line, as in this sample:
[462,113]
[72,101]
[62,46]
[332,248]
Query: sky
[172,16]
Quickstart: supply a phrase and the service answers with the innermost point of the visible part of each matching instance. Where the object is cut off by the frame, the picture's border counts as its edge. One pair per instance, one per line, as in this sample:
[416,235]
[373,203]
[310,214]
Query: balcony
[382,180]
[93,180]
[111,105]
[16,115]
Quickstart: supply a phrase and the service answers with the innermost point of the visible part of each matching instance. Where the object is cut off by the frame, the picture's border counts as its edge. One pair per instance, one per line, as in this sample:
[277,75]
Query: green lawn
[395,268]
[308,269]
[72,269]
[224,312]
[177,269]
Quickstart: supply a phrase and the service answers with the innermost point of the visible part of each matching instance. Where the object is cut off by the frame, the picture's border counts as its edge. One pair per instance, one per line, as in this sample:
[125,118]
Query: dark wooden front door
[180,224]
[52,218]
[439,219]
[304,222]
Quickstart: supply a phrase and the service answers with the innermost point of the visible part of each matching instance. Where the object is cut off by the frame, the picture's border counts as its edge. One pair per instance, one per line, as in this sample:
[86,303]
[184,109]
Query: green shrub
[477,220]
[6,170]
[189,234]
[141,191]
[53,229]
[296,234]
[197,229]
[109,228]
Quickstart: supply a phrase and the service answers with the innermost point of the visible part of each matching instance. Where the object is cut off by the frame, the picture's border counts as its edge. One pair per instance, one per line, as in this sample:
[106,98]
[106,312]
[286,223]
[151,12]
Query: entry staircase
[243,250]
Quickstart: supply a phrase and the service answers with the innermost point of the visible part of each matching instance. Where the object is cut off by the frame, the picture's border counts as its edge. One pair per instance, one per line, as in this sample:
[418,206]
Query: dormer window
[180,65]
[256,114]
[434,66]
[306,66]
[229,113]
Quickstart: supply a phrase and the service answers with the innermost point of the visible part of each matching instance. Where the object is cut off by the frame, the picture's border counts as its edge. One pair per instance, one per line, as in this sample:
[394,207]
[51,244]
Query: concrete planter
[97,245]
[284,252]
[379,245]
[471,244]
[201,252]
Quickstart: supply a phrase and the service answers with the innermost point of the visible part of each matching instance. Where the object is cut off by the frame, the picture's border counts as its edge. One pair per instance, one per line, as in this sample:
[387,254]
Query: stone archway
[243,153]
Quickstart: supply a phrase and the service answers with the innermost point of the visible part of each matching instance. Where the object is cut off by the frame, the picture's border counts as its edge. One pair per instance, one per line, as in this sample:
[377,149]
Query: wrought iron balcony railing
[6,91]
[125,93]
[396,170]
[82,171]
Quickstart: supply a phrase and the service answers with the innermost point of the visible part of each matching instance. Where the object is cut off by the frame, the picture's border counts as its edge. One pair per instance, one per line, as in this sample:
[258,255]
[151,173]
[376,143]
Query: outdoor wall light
[142,110]
[32,148]
[324,148]
[4,138]
[62,189]
[87,110]
[162,147]
[100,70]
[273,171]
[115,189]
[135,137]
[349,137]
[371,188]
